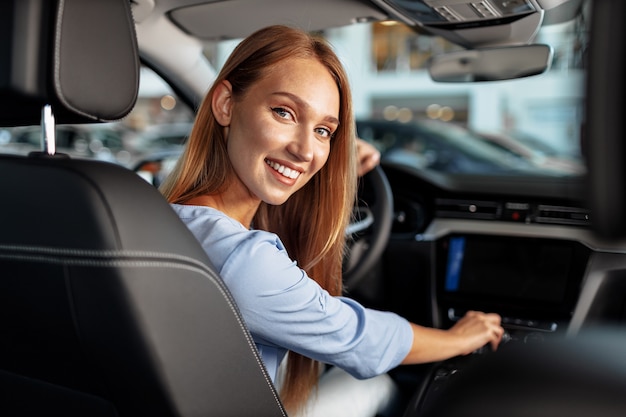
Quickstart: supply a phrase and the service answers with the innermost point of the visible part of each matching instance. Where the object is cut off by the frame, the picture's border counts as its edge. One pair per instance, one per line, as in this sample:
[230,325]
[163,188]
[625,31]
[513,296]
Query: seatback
[108,304]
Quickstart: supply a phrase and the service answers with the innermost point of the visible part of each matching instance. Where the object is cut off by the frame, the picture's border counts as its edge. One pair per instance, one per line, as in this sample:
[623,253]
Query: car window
[518,127]
[158,120]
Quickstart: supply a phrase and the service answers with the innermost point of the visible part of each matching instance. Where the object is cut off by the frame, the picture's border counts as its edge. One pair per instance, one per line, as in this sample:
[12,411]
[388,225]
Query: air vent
[468,209]
[562,215]
[409,216]
[516,211]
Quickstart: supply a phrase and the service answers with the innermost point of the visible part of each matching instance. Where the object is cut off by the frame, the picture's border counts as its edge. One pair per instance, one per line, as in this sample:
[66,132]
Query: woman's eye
[324,132]
[281,112]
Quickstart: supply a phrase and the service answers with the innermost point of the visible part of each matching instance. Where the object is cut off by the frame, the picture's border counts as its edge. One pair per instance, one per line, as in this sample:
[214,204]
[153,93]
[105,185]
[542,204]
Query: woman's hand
[367,156]
[473,331]
[478,329]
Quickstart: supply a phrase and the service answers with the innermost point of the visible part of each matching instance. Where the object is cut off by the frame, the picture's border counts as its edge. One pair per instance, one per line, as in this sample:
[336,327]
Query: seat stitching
[43,255]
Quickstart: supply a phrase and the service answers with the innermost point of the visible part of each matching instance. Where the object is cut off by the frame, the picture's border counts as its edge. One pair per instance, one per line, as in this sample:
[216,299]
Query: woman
[267,183]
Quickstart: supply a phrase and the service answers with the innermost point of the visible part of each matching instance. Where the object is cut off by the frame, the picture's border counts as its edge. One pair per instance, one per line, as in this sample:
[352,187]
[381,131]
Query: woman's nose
[302,147]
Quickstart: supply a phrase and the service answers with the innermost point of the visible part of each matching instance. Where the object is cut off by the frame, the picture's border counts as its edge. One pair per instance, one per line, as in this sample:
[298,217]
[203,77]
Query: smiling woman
[277,126]
[247,86]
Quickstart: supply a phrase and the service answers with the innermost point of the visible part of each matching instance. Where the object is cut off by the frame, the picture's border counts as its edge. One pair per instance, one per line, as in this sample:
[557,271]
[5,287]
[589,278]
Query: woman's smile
[283,170]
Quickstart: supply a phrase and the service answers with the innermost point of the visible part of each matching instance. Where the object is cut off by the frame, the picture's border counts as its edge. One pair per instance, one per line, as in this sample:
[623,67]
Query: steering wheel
[369,232]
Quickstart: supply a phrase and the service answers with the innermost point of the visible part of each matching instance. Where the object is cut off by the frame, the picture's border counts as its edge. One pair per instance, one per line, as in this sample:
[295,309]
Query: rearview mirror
[491,64]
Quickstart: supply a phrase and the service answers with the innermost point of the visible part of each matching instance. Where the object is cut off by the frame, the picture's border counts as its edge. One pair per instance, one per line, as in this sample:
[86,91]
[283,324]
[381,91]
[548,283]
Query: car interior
[110,307]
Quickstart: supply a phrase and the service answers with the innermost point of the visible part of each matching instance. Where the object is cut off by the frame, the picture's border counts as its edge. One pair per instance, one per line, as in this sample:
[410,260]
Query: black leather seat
[108,305]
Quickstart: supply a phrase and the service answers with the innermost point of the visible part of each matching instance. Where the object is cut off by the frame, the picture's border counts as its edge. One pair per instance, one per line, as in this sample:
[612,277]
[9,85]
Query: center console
[533,283]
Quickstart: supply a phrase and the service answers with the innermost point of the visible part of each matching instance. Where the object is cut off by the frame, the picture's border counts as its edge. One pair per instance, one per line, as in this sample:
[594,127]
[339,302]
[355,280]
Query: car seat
[108,304]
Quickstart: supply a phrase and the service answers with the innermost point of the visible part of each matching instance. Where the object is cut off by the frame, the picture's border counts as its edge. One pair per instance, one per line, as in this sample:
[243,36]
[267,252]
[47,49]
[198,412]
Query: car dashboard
[522,247]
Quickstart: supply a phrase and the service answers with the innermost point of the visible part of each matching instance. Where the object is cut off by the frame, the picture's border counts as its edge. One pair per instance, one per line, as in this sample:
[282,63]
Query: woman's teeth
[287,172]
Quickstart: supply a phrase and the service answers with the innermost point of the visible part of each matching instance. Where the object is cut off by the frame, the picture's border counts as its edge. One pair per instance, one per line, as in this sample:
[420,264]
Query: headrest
[78,56]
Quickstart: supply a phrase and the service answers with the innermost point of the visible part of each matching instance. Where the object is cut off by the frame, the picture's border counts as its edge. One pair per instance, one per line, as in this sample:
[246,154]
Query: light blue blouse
[286,310]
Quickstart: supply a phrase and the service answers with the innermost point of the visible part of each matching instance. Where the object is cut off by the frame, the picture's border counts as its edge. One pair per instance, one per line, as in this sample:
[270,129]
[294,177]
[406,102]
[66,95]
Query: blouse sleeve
[284,307]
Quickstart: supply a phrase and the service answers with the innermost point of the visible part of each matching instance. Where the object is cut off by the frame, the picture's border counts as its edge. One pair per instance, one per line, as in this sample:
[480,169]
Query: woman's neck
[243,212]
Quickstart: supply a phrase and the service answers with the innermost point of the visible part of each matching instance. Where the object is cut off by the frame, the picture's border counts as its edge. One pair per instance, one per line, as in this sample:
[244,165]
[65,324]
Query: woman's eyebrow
[302,103]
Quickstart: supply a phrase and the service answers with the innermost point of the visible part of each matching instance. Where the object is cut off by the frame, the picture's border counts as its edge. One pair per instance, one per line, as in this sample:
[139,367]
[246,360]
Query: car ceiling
[231,19]
[223,19]
[171,32]
[228,21]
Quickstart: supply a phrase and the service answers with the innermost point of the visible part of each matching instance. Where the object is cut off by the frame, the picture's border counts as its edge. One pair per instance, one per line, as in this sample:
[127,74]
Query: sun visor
[79,56]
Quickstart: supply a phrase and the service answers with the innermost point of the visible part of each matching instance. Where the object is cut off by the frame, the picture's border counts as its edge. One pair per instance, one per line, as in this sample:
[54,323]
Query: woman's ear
[222,102]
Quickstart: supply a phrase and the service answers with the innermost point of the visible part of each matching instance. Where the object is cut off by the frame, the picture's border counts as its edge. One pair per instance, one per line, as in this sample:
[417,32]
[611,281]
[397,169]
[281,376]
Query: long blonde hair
[311,223]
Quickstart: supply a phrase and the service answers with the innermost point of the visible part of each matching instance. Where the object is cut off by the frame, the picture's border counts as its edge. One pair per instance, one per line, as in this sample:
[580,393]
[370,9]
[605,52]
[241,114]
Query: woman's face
[279,132]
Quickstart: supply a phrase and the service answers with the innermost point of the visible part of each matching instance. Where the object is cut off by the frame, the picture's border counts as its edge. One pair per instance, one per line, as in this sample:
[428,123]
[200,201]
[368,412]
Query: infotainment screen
[528,273]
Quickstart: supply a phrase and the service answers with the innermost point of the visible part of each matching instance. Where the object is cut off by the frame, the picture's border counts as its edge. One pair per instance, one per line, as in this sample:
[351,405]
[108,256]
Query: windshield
[526,126]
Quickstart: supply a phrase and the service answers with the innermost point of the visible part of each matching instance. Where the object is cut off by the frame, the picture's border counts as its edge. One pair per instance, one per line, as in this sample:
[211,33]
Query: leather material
[79,56]
[110,302]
